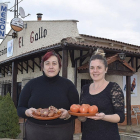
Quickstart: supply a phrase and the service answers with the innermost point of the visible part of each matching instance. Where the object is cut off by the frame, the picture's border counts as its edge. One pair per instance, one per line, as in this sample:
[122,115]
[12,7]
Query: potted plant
[9,120]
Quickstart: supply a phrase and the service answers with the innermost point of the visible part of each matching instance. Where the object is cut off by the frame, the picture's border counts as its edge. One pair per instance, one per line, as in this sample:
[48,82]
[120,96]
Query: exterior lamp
[122,56]
[1,75]
[9,73]
[14,35]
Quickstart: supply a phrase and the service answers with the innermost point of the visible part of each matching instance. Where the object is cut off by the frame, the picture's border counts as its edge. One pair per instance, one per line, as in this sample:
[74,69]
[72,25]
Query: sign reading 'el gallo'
[34,36]
[3,18]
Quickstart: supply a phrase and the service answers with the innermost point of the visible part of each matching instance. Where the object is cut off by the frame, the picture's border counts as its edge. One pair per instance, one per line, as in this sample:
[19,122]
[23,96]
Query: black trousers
[49,132]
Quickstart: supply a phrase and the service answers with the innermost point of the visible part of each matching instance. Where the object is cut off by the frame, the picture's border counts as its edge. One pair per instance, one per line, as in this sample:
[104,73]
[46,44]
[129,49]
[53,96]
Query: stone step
[129,136]
[77,136]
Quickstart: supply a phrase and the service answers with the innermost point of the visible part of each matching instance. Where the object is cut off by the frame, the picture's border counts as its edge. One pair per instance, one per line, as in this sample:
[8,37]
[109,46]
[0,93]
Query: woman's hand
[114,118]
[64,114]
[98,116]
[29,112]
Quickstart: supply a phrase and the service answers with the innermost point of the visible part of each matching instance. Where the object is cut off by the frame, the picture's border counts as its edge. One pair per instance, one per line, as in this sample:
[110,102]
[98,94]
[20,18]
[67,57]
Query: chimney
[39,16]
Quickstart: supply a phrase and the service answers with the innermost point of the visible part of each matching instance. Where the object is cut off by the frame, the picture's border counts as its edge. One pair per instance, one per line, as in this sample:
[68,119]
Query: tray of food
[81,114]
[49,113]
[83,110]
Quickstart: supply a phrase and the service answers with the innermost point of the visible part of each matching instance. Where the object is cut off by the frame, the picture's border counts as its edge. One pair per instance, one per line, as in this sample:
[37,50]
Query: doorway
[18,91]
[7,88]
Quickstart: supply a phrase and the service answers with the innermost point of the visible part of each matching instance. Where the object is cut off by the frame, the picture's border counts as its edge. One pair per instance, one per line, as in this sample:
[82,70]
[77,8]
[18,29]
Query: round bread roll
[44,112]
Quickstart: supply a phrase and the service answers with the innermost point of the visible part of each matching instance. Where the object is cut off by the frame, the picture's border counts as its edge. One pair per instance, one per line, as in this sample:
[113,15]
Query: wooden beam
[14,82]
[110,72]
[27,66]
[58,54]
[72,57]
[117,72]
[132,62]
[6,68]
[82,59]
[128,99]
[80,62]
[116,57]
[137,67]
[19,69]
[4,71]
[22,67]
[127,65]
[112,59]
[33,64]
[40,62]
[27,63]
[37,65]
[64,62]
[32,53]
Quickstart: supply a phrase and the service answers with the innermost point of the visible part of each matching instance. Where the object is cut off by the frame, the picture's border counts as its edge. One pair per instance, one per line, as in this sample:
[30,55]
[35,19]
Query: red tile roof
[73,42]
[109,61]
[94,37]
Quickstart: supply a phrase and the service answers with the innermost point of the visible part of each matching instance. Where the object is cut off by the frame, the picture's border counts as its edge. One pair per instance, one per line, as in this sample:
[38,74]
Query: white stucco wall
[135,100]
[56,31]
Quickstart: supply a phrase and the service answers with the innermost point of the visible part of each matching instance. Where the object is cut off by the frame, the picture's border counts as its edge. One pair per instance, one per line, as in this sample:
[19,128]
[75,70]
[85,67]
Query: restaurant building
[20,57]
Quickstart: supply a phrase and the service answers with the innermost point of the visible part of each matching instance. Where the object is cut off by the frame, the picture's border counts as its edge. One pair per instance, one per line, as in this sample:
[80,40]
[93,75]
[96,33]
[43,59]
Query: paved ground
[132,128]
[77,137]
[128,131]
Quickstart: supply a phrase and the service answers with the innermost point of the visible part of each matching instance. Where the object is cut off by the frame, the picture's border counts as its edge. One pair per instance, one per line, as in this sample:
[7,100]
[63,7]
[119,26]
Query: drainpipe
[75,74]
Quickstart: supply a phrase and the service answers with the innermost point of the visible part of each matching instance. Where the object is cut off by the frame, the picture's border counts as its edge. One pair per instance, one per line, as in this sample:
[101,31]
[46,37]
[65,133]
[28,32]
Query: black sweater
[43,92]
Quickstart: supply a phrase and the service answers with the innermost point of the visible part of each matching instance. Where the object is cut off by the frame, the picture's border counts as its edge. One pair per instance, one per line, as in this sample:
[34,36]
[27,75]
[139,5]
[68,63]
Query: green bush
[0,97]
[9,126]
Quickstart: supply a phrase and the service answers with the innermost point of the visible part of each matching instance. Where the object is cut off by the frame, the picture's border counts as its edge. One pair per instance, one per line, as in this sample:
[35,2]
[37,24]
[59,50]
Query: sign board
[133,85]
[10,48]
[17,24]
[3,19]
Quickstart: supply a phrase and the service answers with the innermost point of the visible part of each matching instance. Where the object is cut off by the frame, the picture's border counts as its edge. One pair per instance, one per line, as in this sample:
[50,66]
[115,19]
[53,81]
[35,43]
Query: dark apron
[49,132]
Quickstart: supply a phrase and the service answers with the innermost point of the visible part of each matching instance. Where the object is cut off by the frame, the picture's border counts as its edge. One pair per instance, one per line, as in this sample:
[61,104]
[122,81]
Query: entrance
[85,81]
[7,88]
[18,91]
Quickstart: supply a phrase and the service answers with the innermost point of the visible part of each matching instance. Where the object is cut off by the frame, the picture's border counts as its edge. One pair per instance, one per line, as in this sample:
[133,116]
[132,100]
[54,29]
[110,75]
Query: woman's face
[97,70]
[51,66]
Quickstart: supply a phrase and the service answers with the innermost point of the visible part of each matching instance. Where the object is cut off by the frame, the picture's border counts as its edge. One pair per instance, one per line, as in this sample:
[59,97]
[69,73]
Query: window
[85,81]
[7,88]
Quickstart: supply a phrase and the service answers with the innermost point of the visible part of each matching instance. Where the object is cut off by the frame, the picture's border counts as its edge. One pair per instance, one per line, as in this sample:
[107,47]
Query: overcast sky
[112,19]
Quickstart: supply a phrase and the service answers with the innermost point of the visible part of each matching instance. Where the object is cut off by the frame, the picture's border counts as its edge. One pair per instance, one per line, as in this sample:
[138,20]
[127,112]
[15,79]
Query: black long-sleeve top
[43,92]
[109,101]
